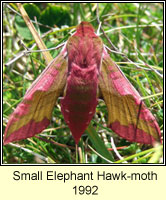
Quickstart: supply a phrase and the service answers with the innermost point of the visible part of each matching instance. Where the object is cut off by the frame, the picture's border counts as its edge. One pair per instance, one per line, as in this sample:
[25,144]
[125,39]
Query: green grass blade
[98,143]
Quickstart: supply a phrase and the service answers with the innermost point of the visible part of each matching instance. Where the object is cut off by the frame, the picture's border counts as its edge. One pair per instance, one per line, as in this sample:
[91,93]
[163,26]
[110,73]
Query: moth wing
[127,114]
[34,113]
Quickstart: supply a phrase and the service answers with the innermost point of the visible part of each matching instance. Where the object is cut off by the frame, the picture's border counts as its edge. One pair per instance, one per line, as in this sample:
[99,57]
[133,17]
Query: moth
[81,72]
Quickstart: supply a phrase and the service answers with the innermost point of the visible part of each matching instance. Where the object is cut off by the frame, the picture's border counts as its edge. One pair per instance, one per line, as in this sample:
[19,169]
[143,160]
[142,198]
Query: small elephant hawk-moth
[83,68]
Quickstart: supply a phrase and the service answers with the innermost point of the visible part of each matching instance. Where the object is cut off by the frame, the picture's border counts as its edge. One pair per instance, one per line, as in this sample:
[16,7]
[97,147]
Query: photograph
[83,83]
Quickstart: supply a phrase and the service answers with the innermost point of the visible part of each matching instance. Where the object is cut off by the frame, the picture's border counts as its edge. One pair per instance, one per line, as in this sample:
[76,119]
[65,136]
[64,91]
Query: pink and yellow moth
[81,70]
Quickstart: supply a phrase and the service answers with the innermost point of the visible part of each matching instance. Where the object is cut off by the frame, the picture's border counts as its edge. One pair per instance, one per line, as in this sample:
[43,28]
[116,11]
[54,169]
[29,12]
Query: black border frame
[75,165]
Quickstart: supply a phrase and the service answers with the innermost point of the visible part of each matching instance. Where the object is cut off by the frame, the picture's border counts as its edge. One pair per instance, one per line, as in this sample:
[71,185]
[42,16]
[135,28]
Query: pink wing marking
[34,113]
[127,114]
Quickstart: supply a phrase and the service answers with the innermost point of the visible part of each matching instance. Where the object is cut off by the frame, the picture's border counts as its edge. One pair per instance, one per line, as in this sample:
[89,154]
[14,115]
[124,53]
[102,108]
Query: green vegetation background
[135,29]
